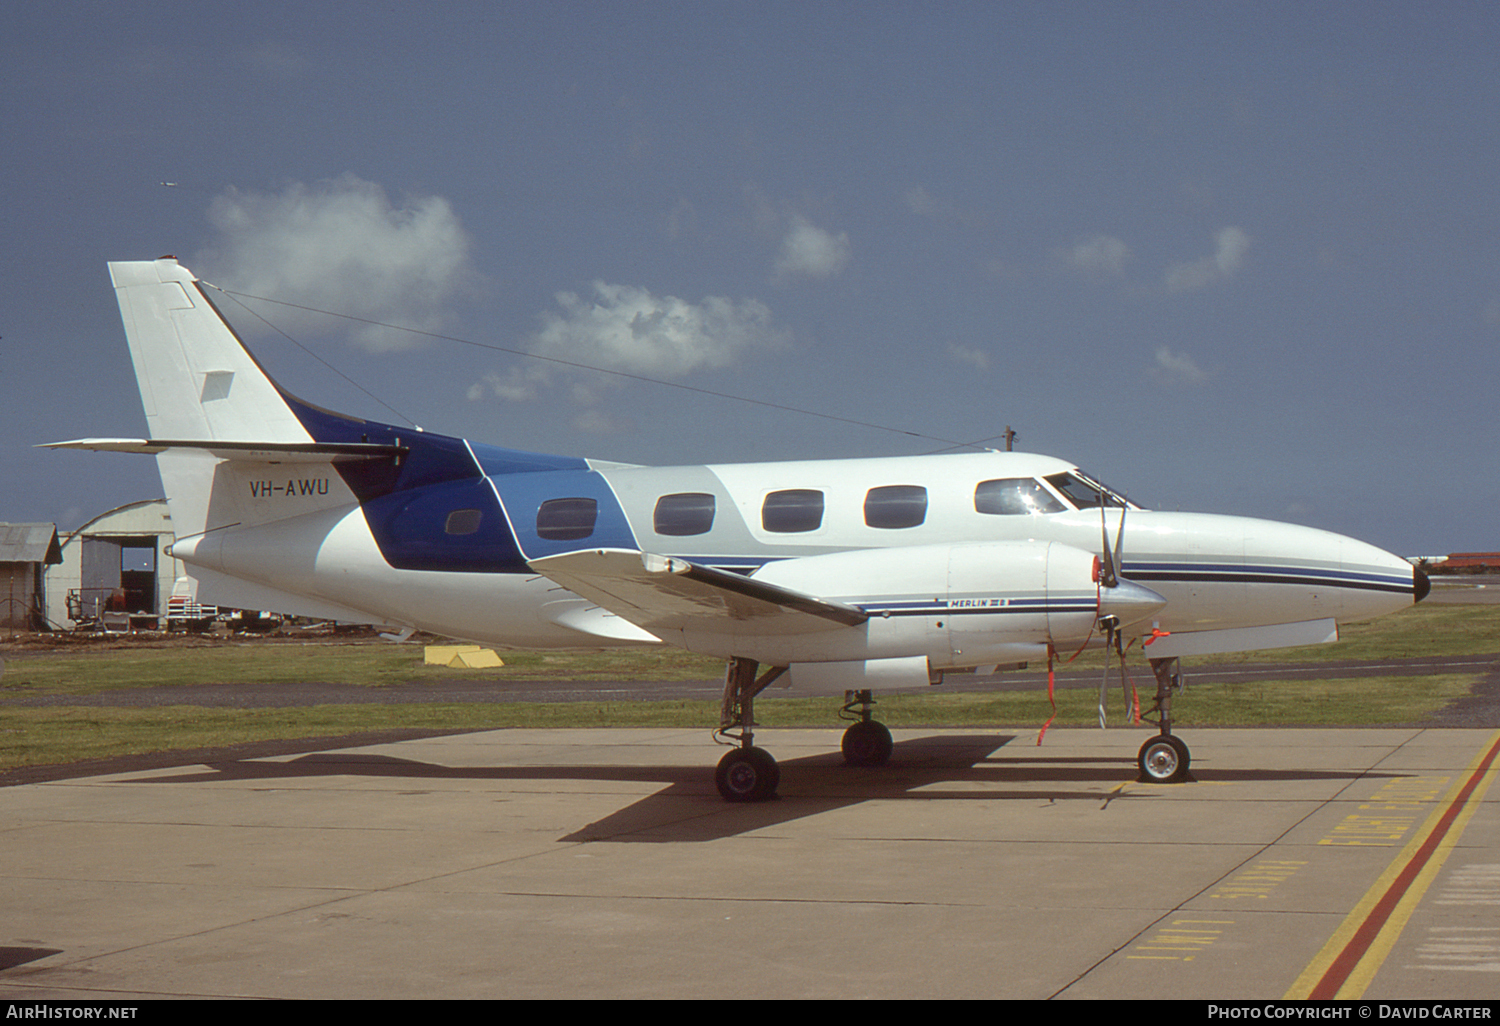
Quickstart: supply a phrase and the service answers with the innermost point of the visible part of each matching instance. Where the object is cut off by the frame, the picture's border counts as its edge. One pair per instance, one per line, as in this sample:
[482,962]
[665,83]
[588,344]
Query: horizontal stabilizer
[665,594]
[254,452]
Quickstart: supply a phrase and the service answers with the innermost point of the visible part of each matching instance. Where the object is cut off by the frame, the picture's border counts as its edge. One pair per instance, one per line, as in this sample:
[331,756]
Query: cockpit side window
[1084,492]
[1015,496]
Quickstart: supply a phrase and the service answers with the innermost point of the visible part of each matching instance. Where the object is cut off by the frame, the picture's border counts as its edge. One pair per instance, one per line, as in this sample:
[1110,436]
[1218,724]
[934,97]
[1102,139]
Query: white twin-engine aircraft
[848,576]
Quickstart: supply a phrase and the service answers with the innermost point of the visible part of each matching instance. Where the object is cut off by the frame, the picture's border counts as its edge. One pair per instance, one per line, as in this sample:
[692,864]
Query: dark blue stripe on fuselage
[945,607]
[1240,573]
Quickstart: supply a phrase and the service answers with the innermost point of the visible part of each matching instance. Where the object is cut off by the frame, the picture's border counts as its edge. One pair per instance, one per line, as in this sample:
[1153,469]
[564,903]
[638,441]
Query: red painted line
[1359,944]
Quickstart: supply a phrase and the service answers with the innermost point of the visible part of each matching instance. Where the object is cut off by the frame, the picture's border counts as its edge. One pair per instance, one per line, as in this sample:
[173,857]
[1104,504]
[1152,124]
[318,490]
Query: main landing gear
[867,742]
[750,774]
[747,774]
[1164,759]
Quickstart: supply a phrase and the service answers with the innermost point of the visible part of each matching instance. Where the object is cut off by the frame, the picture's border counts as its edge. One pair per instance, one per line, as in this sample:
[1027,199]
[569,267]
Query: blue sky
[1229,257]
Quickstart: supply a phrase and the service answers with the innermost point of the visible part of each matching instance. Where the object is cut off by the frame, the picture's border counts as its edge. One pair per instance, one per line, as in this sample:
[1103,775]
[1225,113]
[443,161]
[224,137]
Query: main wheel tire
[1163,760]
[867,743]
[747,775]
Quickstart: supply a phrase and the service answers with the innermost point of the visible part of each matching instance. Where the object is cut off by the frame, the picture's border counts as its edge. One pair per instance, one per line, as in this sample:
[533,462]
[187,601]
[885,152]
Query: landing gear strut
[747,774]
[1164,759]
[867,742]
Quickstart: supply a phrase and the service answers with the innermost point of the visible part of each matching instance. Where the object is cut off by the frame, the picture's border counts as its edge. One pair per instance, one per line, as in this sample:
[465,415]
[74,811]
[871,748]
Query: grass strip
[62,734]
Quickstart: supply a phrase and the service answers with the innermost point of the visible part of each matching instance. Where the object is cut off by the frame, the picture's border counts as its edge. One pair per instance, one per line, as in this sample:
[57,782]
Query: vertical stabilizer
[197,381]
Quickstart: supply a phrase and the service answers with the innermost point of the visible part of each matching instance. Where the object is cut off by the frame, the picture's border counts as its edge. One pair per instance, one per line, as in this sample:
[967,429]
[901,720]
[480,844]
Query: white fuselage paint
[1215,572]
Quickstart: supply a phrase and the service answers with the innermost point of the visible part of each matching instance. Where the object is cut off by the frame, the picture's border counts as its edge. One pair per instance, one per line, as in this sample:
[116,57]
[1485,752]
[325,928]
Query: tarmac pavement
[603,864]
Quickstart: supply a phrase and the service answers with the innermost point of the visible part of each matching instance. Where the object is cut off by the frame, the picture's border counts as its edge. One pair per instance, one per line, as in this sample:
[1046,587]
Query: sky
[1227,257]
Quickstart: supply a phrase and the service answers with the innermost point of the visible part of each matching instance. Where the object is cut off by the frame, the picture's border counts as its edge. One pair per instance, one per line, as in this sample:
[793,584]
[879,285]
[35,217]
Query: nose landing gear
[1164,759]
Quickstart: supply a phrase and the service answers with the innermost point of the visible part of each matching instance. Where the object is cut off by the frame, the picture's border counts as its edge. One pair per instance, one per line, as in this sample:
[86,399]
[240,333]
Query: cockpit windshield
[1084,492]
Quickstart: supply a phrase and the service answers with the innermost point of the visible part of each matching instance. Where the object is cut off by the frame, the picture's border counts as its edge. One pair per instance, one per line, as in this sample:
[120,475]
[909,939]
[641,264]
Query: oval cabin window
[567,519]
[792,511]
[683,514]
[896,506]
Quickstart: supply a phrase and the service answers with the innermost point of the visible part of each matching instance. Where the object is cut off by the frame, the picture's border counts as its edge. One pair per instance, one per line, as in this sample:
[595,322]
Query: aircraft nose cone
[1420,585]
[1130,602]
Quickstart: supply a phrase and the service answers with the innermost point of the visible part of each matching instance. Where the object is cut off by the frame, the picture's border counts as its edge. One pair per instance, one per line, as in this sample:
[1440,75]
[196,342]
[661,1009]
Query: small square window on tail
[1016,496]
[683,514]
[567,519]
[463,521]
[792,511]
[894,506]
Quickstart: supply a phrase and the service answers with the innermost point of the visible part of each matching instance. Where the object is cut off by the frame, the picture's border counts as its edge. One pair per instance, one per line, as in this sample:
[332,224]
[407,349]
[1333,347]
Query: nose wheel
[1164,759]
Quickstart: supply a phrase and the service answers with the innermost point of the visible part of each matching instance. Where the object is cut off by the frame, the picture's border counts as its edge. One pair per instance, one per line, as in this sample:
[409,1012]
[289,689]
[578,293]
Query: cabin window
[792,510]
[1016,496]
[683,514]
[894,506]
[463,521]
[566,519]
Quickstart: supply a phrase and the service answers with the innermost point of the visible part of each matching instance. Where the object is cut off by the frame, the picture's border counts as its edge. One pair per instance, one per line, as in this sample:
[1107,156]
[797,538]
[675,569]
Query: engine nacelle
[954,605]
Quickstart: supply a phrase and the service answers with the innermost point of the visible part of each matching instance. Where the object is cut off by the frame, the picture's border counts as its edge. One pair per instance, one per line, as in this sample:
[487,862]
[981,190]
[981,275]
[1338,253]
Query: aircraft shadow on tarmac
[689,809]
[12,957]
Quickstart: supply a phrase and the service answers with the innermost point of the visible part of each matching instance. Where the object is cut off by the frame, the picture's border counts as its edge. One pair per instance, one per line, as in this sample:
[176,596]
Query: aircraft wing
[661,593]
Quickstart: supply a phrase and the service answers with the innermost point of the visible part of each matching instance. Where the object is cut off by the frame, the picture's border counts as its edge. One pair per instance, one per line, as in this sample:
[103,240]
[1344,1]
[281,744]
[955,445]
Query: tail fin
[223,433]
[198,382]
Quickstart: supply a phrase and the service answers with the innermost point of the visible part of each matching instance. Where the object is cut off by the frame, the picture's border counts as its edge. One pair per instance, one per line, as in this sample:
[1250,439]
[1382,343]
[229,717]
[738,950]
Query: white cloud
[628,329]
[1102,254]
[809,250]
[342,246]
[1176,368]
[517,386]
[971,355]
[1231,244]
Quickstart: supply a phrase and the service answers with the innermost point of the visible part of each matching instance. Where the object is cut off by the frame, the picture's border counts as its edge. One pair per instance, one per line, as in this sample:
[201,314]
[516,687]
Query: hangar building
[26,550]
[114,566]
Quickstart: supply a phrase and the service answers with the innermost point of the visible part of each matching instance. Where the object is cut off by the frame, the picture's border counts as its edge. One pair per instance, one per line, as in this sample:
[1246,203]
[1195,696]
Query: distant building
[1471,560]
[26,550]
[115,564]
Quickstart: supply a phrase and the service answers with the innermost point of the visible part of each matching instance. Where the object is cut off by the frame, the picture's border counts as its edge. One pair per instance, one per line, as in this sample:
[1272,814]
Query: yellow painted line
[1348,962]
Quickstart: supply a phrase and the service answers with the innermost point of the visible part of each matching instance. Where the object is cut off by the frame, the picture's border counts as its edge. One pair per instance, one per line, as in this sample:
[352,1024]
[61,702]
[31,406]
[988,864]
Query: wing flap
[660,593]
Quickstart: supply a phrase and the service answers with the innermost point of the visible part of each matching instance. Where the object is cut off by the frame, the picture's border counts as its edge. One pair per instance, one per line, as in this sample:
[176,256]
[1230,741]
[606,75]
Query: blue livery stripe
[1249,573]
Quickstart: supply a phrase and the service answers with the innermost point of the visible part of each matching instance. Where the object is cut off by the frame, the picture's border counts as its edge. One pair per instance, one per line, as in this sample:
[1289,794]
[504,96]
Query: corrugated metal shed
[24,550]
[29,543]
